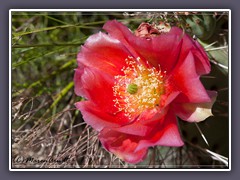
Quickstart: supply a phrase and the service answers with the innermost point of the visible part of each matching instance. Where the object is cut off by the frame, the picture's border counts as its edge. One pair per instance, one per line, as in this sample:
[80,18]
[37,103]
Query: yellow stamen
[140,88]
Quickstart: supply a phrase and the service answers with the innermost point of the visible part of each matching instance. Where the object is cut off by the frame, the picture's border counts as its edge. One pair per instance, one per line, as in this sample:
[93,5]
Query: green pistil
[132,88]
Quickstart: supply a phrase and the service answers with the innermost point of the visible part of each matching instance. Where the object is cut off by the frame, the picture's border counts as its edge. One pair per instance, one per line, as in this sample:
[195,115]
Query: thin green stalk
[50,28]
[63,68]
[63,93]
[54,19]
[45,45]
[54,73]
[14,65]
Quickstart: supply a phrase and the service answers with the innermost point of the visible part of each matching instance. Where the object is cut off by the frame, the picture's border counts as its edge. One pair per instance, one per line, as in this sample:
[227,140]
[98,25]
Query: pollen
[139,88]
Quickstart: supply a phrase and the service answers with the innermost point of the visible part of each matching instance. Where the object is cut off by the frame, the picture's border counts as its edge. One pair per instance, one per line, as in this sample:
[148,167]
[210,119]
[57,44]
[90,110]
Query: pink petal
[166,133]
[185,80]
[104,53]
[195,112]
[136,128]
[161,50]
[95,117]
[95,86]
[144,123]
[78,86]
[201,61]
[189,44]
[123,146]
[167,98]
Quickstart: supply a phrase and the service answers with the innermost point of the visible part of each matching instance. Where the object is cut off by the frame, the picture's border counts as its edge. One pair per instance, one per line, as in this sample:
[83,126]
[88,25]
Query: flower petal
[134,129]
[167,98]
[166,133]
[95,117]
[95,86]
[104,53]
[144,123]
[195,112]
[78,85]
[185,79]
[122,145]
[171,47]
[189,44]
[161,50]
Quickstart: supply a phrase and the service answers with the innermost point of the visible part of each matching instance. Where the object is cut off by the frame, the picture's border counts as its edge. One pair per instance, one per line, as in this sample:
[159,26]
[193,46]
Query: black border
[91,4]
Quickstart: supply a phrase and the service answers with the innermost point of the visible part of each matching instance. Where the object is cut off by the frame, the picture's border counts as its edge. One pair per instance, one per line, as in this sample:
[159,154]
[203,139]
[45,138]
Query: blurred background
[48,131]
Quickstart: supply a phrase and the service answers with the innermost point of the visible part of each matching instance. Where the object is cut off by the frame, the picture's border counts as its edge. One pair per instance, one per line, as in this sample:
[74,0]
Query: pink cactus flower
[136,87]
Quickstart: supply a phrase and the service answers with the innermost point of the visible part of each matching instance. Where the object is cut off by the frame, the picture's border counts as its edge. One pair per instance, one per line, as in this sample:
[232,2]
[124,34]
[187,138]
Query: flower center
[132,88]
[138,89]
